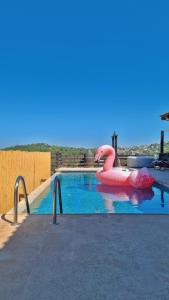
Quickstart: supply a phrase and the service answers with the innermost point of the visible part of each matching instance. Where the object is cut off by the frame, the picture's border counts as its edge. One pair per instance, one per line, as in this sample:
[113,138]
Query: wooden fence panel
[33,166]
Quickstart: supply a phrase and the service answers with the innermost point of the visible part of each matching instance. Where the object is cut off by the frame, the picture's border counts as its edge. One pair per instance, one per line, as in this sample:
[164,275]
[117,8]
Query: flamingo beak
[97,157]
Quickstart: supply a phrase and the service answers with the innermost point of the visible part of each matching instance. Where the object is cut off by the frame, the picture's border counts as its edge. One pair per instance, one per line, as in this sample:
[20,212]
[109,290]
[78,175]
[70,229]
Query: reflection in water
[162,198]
[113,194]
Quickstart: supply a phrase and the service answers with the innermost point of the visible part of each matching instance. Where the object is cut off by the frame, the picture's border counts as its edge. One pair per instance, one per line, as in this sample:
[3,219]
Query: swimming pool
[82,193]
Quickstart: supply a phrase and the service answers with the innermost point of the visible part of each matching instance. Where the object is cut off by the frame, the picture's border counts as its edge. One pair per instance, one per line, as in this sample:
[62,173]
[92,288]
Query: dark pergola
[165,117]
[114,145]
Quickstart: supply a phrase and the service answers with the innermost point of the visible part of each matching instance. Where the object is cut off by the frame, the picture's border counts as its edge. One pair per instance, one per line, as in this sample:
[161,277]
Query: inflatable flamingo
[140,179]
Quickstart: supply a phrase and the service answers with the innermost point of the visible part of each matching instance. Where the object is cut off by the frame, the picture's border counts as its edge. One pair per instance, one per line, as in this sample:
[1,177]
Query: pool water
[82,193]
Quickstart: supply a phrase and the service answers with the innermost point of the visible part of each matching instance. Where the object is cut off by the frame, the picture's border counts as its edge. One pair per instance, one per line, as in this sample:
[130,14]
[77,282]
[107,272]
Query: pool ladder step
[16,187]
[56,191]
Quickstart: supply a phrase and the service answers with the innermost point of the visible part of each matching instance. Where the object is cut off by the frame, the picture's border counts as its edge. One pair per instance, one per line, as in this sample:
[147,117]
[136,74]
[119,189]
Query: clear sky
[72,72]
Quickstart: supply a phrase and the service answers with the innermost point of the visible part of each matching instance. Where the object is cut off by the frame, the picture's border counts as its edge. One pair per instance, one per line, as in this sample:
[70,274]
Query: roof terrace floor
[87,257]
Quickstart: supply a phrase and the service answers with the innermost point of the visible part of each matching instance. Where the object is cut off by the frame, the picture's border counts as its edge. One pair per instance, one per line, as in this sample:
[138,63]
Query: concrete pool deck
[87,257]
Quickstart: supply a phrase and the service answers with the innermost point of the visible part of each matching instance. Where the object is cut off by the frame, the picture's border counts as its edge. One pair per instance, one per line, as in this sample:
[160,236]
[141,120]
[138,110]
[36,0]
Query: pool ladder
[18,180]
[56,190]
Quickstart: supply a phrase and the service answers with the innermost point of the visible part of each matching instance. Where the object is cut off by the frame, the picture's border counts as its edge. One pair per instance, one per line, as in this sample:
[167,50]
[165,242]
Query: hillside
[151,149]
[47,148]
[134,150]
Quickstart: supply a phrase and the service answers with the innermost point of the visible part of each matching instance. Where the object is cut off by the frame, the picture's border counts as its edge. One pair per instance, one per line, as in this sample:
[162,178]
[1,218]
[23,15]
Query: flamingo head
[104,150]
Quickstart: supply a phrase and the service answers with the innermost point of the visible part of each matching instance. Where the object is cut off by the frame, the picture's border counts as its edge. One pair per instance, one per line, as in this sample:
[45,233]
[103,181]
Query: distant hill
[151,149]
[134,150]
[47,148]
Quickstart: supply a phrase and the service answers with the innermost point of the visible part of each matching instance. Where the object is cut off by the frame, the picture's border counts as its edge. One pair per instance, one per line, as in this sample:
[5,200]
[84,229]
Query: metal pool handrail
[57,188]
[18,180]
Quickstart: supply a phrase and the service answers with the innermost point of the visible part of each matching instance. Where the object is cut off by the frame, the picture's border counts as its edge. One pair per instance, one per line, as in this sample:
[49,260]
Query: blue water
[82,193]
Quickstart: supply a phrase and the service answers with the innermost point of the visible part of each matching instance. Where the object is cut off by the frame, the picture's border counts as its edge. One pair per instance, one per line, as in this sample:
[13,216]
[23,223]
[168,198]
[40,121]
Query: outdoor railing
[16,187]
[57,190]
[59,160]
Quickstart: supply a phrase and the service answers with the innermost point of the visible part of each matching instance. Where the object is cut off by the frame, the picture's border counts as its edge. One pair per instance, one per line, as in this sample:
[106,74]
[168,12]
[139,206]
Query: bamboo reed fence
[35,167]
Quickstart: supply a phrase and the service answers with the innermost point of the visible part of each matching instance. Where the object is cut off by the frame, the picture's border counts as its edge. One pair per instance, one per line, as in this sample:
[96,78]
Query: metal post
[113,140]
[114,145]
[162,142]
[56,189]
[20,178]
[60,197]
[116,149]
[16,205]
[162,198]
[54,202]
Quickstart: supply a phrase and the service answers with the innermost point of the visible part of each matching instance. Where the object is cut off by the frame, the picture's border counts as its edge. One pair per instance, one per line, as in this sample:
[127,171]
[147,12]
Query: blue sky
[72,72]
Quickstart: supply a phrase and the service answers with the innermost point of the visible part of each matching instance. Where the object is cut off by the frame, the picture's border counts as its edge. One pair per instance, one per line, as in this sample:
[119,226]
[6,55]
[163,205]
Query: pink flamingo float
[119,176]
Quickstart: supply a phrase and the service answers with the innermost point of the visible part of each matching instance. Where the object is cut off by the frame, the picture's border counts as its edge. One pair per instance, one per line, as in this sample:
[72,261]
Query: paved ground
[6,230]
[87,257]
